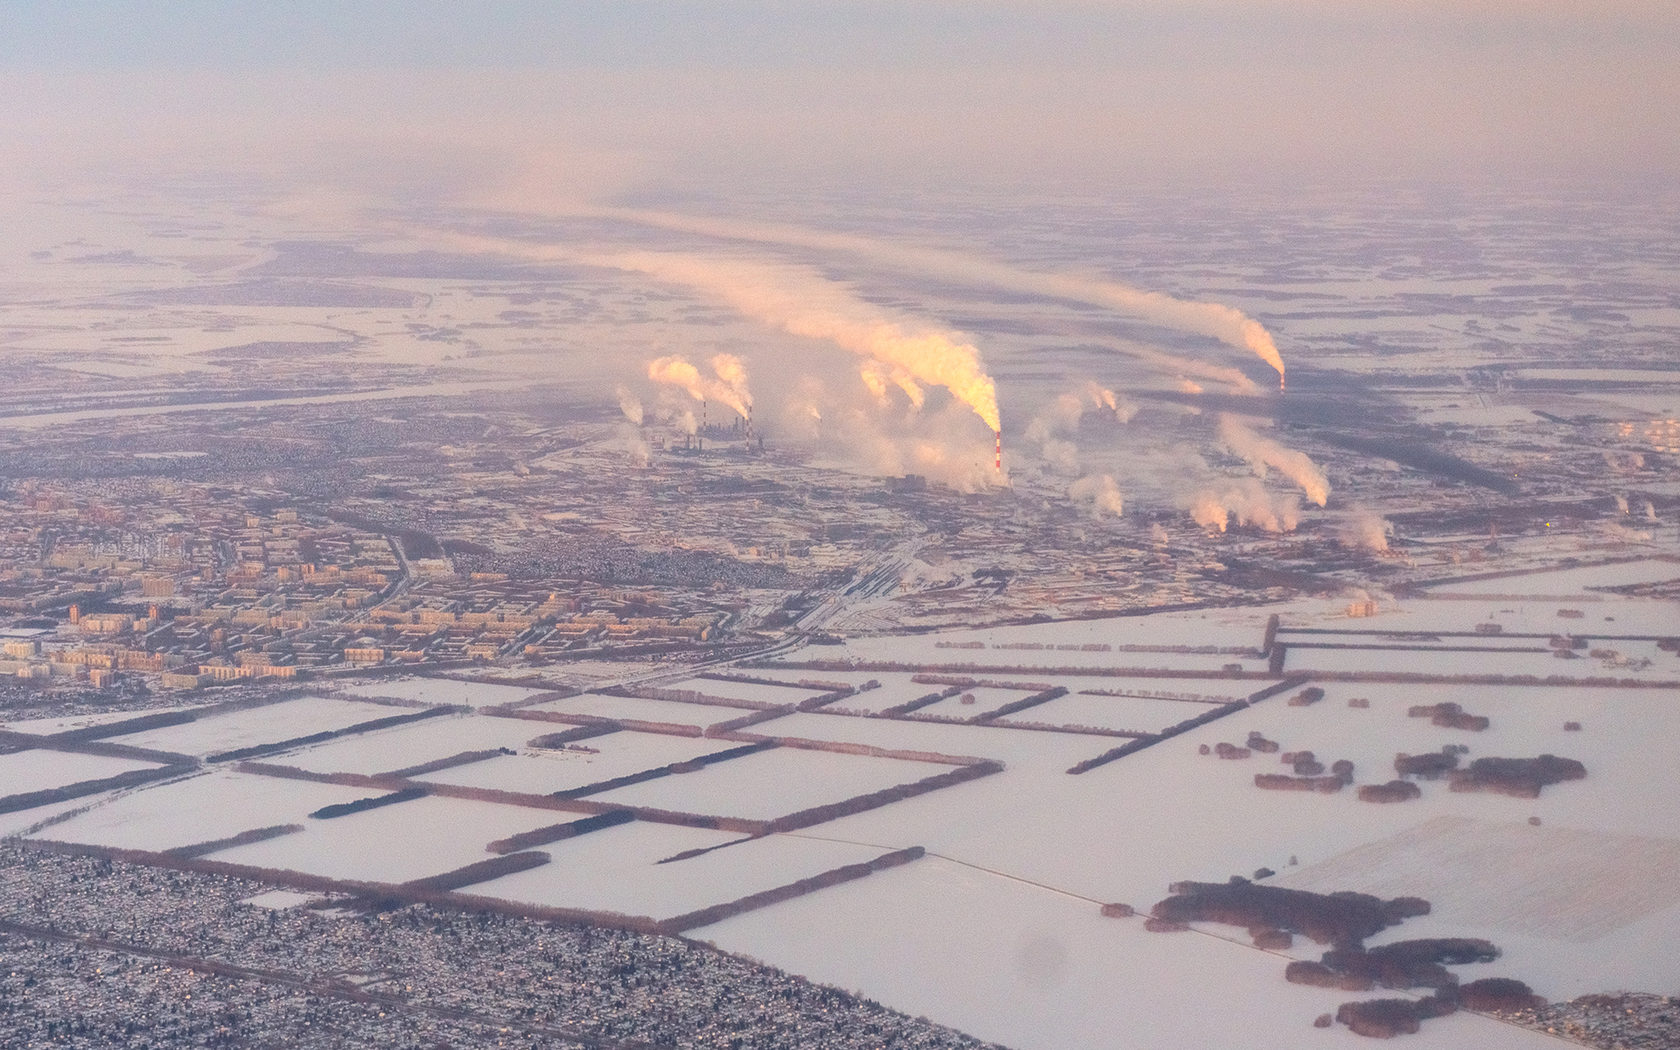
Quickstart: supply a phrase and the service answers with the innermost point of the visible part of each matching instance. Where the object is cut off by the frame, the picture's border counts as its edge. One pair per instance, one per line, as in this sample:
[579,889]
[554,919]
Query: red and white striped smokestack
[999,463]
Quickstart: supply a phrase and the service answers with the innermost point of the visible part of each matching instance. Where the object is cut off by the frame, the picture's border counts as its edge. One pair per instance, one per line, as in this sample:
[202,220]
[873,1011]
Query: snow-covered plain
[751,691]
[37,770]
[198,809]
[268,724]
[409,840]
[386,750]
[772,783]
[618,869]
[444,691]
[637,709]
[586,762]
[997,929]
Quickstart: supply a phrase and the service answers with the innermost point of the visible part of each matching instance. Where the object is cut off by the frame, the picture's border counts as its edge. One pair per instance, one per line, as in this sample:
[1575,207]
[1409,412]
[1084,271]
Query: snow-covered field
[1569,581]
[386,750]
[640,710]
[202,808]
[751,691]
[618,870]
[772,783]
[24,771]
[409,840]
[1041,970]
[1135,713]
[443,691]
[269,724]
[48,726]
[545,771]
[997,929]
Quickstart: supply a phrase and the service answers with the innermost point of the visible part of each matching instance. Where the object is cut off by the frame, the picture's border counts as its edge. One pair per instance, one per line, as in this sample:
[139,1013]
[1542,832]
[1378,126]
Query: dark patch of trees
[1312,694]
[859,803]
[260,750]
[1498,995]
[481,871]
[1393,791]
[47,796]
[436,765]
[1285,782]
[1342,919]
[551,741]
[1518,777]
[833,877]
[560,832]
[242,839]
[1431,766]
[1449,715]
[362,805]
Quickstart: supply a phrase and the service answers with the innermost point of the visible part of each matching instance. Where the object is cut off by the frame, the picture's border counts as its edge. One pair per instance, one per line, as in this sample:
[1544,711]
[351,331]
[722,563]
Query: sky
[595,99]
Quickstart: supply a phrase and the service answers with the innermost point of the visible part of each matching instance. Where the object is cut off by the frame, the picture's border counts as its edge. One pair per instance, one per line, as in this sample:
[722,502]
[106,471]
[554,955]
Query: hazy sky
[588,98]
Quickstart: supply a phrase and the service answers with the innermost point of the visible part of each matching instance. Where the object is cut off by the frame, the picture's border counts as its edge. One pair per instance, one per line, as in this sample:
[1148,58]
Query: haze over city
[1043,524]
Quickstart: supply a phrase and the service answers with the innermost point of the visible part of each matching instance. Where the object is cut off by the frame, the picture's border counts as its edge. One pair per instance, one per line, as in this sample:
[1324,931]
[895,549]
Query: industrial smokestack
[999,463]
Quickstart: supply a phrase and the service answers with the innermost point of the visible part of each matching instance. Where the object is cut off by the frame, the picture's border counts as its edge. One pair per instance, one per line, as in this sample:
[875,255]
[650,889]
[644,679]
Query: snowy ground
[25,771]
[997,929]
[269,724]
[772,783]
[443,691]
[586,762]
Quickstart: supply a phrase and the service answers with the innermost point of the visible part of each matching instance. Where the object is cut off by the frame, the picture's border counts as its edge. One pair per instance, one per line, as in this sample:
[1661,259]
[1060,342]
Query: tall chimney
[999,463]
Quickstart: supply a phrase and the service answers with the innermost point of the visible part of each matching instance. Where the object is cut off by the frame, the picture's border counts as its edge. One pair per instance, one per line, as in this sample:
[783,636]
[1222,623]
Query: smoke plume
[1365,529]
[806,304]
[876,376]
[1262,452]
[733,374]
[630,405]
[1101,492]
[1215,320]
[678,372]
[1062,416]
[1246,500]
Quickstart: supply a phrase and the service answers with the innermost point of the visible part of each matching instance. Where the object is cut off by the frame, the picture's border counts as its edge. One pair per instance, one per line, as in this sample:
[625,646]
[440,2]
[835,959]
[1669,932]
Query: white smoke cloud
[1247,501]
[679,372]
[806,304]
[1262,452]
[878,377]
[630,405]
[630,441]
[1062,416]
[1622,505]
[1365,529]
[1215,320]
[1101,492]
[1650,511]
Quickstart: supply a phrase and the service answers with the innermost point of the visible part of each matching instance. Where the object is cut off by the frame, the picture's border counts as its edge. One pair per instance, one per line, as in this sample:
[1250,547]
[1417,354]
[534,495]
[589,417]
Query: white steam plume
[806,304]
[677,371]
[1650,511]
[630,405]
[1262,452]
[1215,320]
[1101,492]
[1246,500]
[1365,529]
[733,374]
[631,442]
[1622,505]
[877,376]
[1062,417]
